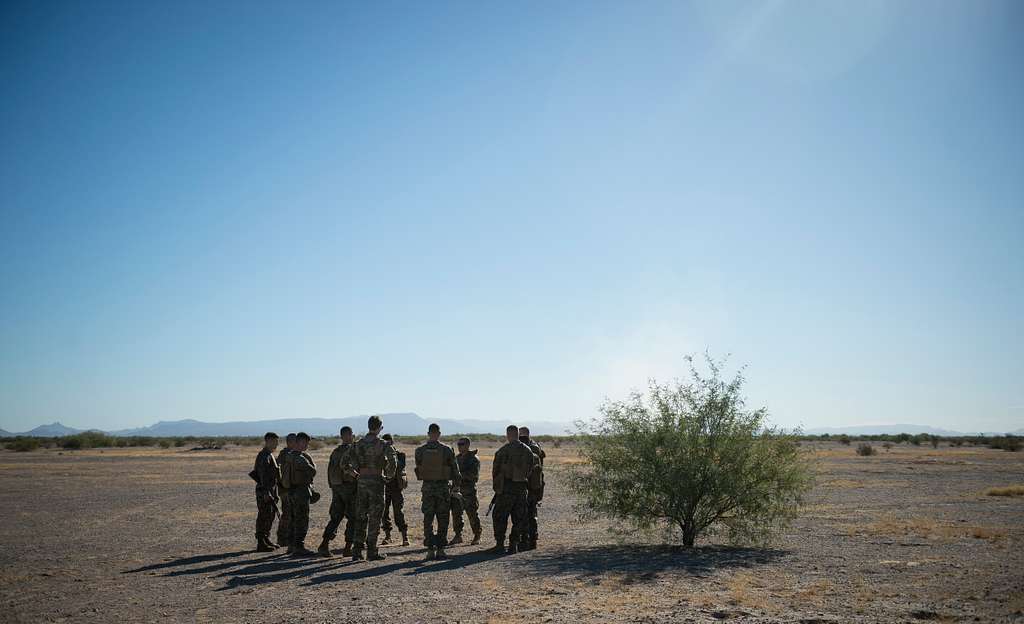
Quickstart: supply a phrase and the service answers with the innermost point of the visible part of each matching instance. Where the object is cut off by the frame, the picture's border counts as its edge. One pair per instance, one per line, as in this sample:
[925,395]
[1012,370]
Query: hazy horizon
[213,211]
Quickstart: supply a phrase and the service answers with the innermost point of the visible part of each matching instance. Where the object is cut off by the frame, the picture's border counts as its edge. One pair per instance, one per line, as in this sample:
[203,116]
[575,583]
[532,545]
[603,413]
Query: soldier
[510,474]
[374,460]
[266,475]
[394,498]
[284,525]
[303,471]
[535,491]
[437,468]
[343,496]
[469,468]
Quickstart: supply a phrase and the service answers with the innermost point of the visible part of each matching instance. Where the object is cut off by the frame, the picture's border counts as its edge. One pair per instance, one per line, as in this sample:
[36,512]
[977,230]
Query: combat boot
[325,548]
[476,538]
[405,537]
[513,548]
[430,553]
[291,549]
[300,550]
[387,538]
[348,550]
[357,554]
[499,547]
[440,553]
[262,545]
[375,555]
[456,539]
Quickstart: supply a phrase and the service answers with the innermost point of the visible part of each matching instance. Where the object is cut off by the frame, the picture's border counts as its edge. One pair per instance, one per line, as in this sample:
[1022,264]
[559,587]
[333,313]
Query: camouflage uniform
[535,494]
[469,468]
[284,525]
[343,498]
[394,498]
[303,473]
[513,464]
[374,460]
[436,467]
[267,475]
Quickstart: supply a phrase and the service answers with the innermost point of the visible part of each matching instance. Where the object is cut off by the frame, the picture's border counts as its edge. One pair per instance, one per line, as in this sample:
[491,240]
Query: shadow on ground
[640,562]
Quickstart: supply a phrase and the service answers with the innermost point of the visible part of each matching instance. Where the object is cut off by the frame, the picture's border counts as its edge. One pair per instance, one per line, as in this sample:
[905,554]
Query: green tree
[690,456]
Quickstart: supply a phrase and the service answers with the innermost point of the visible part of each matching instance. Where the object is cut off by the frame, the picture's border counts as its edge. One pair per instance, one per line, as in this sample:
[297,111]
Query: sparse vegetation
[844,440]
[866,450]
[1009,490]
[887,446]
[691,455]
[23,445]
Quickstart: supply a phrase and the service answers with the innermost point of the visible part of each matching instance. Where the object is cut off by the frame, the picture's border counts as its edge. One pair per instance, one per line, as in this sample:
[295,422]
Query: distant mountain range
[403,424]
[410,424]
[898,429]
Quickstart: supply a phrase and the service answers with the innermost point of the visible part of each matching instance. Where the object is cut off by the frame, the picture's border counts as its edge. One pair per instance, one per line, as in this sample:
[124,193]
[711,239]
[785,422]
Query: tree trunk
[689,533]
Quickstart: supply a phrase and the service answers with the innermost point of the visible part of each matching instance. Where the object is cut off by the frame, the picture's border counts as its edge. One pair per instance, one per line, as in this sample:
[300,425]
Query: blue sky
[232,211]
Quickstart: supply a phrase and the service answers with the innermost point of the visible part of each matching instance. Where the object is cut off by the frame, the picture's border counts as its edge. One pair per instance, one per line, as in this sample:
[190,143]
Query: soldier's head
[270,440]
[301,441]
[464,445]
[434,432]
[388,438]
[289,441]
[512,433]
[346,434]
[524,434]
[374,424]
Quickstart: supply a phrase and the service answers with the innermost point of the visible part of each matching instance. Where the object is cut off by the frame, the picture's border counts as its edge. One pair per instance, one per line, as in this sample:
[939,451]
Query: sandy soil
[166,535]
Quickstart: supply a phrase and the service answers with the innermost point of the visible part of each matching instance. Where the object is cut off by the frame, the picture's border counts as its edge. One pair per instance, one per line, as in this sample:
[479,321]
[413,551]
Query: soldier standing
[535,491]
[266,474]
[394,497]
[343,496]
[436,467]
[510,474]
[374,461]
[284,524]
[469,468]
[303,471]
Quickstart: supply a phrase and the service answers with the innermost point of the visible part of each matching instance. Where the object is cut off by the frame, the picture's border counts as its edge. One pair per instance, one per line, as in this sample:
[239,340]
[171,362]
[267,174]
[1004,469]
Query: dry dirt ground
[166,535]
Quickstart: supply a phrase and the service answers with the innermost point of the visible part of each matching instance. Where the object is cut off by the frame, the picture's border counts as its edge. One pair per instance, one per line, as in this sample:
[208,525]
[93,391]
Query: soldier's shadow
[185,561]
[413,567]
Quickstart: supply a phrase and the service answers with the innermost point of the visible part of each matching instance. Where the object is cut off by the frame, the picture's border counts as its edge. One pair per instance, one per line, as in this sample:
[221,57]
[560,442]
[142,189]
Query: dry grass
[928,528]
[1009,490]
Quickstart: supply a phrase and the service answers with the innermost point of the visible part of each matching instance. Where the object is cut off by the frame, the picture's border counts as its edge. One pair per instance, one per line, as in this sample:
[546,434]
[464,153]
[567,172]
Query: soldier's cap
[464,441]
[387,436]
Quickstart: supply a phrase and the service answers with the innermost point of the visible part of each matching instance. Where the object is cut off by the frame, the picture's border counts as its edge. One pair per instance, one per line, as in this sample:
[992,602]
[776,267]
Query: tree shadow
[189,561]
[640,562]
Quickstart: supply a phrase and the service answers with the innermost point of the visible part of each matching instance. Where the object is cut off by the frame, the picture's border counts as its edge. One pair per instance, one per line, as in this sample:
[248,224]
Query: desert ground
[153,535]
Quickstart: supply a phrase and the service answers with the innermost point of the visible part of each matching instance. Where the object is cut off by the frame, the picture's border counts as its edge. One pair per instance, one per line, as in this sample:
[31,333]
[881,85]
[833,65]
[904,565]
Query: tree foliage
[689,455]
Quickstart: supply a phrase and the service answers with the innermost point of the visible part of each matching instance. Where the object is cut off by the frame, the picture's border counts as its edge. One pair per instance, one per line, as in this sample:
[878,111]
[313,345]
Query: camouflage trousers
[436,505]
[532,502]
[511,501]
[394,498]
[471,506]
[284,525]
[343,507]
[369,509]
[299,511]
[264,515]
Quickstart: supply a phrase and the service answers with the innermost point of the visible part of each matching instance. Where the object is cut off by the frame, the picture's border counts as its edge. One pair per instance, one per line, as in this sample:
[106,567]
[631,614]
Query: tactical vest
[431,465]
[371,458]
[336,475]
[519,463]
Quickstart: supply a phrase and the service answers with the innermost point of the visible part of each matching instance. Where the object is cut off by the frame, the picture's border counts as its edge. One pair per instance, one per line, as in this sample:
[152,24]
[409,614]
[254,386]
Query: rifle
[490,507]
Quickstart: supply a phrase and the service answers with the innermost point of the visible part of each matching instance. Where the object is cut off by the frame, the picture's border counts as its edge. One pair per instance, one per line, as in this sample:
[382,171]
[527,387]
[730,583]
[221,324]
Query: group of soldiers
[367,478]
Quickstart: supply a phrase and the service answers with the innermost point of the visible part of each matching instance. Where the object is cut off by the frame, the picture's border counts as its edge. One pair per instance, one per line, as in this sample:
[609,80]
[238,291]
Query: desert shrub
[844,440]
[1010,490]
[23,445]
[179,442]
[935,442]
[690,456]
[903,437]
[887,446]
[866,450]
[315,445]
[1006,443]
[165,443]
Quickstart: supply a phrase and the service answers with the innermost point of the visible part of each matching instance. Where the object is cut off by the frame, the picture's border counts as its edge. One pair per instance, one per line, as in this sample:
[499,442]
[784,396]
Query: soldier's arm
[454,464]
[390,462]
[496,481]
[418,458]
[472,474]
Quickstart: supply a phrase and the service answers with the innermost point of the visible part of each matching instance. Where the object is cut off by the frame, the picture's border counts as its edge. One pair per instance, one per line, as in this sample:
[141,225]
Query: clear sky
[228,210]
